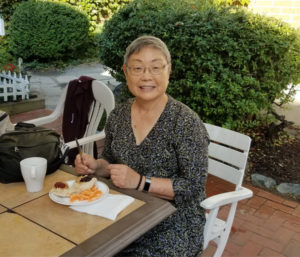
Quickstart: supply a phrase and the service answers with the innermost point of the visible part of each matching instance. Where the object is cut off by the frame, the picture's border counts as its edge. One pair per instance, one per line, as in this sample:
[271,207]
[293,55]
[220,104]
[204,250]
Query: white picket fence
[14,86]
[2,30]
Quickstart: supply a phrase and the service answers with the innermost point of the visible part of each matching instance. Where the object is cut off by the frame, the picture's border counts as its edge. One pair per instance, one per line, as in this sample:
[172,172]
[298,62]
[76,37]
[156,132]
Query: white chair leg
[225,235]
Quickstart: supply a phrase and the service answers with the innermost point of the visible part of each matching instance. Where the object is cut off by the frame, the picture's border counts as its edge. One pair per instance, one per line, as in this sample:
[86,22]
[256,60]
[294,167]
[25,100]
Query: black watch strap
[147,184]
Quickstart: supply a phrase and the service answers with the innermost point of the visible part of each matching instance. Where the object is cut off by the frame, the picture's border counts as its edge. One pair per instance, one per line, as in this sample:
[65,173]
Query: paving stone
[279,206]
[256,202]
[267,242]
[292,249]
[250,249]
[266,252]
[269,196]
[264,212]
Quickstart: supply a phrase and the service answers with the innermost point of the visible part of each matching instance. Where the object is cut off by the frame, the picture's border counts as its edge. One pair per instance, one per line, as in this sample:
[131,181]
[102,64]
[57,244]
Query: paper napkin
[109,207]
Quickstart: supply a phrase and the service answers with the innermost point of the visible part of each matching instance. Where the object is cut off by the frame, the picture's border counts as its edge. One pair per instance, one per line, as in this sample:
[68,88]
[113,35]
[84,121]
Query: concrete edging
[21,106]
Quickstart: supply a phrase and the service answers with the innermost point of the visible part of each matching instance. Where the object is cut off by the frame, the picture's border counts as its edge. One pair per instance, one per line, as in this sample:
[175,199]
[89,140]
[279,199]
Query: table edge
[104,243]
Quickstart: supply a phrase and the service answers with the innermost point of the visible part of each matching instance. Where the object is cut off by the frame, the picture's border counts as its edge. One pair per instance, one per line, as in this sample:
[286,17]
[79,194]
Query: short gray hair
[144,41]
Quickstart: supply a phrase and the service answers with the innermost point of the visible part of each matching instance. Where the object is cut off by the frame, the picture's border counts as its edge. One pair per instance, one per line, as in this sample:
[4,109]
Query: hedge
[96,10]
[228,64]
[47,31]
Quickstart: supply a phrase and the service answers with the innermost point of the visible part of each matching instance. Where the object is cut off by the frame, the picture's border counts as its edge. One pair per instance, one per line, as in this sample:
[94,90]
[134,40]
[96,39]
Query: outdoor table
[33,225]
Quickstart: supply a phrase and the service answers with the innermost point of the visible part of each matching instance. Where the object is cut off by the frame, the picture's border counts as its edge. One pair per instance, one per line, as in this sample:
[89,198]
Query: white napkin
[109,207]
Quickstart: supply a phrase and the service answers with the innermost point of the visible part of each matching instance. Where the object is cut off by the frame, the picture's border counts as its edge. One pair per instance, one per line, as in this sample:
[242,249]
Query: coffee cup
[33,171]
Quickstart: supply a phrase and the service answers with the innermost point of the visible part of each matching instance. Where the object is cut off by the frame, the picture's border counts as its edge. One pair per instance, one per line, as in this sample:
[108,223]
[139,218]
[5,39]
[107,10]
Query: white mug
[33,171]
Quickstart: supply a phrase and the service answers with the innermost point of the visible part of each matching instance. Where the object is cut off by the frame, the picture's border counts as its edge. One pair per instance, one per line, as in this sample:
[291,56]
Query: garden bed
[277,158]
[15,107]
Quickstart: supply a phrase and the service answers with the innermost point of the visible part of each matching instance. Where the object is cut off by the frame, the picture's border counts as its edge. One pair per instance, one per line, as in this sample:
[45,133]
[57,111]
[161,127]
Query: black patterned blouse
[175,148]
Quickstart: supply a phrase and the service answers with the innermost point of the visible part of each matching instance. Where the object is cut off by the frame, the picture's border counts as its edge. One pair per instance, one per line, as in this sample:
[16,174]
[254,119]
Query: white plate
[66,201]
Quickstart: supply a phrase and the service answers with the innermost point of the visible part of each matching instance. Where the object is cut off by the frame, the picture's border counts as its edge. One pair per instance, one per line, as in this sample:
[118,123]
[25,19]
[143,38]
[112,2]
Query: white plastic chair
[228,153]
[104,101]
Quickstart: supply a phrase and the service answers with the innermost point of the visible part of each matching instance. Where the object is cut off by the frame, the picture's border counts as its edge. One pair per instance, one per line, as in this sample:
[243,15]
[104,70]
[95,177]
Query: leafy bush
[227,64]
[5,56]
[7,7]
[97,10]
[232,2]
[46,31]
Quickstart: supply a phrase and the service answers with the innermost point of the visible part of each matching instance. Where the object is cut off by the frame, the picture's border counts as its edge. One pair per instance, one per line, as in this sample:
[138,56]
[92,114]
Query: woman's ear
[124,69]
[170,68]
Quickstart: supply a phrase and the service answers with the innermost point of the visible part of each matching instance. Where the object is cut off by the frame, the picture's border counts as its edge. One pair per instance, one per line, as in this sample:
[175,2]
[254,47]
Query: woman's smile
[147,87]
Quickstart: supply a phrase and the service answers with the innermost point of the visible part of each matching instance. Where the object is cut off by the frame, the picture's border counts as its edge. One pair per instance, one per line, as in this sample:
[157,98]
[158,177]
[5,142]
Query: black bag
[29,141]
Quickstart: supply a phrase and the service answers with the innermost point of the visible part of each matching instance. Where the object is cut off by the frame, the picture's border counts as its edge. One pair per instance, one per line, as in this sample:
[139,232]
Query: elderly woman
[159,145]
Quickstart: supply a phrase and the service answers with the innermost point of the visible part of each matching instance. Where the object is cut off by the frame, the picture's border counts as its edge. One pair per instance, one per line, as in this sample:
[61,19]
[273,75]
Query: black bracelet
[140,181]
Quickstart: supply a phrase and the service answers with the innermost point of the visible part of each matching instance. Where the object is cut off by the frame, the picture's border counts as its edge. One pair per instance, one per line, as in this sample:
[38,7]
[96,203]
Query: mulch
[277,158]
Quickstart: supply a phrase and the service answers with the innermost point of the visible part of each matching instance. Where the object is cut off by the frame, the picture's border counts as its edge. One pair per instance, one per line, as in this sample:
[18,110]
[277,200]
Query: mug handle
[33,172]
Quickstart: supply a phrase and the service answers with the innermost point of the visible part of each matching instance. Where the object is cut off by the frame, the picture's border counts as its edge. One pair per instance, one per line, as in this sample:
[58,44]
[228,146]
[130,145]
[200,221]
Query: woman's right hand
[85,164]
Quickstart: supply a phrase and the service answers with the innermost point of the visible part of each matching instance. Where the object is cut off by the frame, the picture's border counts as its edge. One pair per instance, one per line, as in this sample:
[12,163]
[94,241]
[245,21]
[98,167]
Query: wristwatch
[147,184]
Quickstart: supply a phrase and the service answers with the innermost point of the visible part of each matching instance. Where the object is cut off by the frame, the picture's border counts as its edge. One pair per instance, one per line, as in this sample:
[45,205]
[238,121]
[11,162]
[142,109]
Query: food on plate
[89,195]
[82,183]
[61,189]
[84,188]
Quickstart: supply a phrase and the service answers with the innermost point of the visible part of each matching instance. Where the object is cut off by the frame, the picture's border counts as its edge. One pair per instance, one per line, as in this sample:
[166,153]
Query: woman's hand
[122,176]
[85,164]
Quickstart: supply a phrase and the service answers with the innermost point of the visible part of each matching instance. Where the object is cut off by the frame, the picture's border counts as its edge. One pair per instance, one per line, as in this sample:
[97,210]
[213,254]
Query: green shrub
[96,10]
[46,31]
[7,7]
[227,64]
[5,57]
[233,2]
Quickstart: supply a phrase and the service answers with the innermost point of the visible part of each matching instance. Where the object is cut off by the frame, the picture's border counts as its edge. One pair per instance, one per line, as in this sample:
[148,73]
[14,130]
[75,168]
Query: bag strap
[21,124]
[3,116]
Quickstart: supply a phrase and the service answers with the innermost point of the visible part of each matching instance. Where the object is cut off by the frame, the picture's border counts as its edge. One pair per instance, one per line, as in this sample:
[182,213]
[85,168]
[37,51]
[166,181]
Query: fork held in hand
[79,149]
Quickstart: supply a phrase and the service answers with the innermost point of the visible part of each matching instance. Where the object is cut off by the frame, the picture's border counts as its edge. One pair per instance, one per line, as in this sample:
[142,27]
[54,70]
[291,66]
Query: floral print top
[175,148]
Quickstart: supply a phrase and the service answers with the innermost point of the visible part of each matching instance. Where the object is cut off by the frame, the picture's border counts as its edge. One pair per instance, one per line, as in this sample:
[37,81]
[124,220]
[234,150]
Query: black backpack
[26,141]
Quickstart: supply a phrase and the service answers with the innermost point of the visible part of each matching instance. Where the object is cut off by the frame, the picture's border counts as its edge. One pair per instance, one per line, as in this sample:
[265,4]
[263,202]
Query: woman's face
[147,74]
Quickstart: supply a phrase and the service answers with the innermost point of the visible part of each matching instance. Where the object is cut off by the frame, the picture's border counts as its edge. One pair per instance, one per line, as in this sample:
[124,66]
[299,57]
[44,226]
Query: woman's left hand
[122,176]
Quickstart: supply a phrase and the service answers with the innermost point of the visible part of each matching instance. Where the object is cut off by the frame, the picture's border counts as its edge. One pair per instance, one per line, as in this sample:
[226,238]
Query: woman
[156,144]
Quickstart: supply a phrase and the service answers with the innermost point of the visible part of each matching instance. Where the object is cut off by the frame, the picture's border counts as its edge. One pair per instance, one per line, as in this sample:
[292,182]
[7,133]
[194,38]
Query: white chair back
[228,153]
[104,103]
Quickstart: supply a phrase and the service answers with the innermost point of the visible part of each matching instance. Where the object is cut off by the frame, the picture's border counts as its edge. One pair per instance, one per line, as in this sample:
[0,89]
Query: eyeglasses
[139,70]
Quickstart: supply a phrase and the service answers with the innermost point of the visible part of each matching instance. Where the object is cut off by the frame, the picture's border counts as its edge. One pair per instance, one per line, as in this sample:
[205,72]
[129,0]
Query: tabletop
[35,225]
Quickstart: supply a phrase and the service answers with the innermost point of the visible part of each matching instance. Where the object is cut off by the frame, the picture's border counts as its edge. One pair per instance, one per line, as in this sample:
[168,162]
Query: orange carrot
[89,195]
